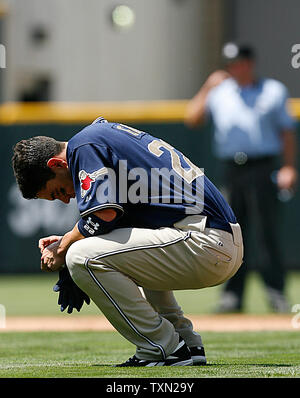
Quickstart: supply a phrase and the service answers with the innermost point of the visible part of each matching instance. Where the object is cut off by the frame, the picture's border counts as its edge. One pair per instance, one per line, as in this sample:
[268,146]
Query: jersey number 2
[189,175]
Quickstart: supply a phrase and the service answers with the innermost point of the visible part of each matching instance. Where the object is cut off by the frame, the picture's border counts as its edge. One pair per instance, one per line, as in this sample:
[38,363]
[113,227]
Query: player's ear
[57,162]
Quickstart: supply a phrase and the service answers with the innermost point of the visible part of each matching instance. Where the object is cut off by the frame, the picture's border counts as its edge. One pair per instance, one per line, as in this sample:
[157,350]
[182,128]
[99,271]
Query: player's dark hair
[29,163]
[238,51]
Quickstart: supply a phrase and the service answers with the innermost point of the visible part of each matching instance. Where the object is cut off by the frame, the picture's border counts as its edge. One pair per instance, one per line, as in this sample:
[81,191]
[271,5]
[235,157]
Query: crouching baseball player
[150,223]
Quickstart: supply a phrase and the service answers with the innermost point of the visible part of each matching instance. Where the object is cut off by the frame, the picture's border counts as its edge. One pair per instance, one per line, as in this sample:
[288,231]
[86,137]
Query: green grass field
[269,354]
[32,295]
[92,354]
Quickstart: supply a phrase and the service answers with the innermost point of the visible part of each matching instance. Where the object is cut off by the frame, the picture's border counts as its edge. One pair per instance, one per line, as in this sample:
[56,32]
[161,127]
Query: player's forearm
[288,175]
[70,237]
[196,108]
[289,148]
[74,235]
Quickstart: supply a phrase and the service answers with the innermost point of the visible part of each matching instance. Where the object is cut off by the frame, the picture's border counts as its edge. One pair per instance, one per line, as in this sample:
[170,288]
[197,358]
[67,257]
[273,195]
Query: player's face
[241,69]
[61,187]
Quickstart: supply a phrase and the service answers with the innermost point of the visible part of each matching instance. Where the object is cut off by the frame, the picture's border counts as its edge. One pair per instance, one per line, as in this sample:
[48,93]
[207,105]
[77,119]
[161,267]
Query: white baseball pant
[110,268]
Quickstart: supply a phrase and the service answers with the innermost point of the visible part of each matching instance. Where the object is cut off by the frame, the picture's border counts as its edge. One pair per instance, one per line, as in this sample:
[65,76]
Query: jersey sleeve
[94,179]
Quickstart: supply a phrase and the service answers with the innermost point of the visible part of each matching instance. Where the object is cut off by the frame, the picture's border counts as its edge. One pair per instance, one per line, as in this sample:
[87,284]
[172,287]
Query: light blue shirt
[249,119]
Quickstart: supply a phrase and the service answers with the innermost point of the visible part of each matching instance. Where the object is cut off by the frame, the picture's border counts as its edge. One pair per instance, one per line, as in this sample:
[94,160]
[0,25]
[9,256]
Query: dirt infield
[217,323]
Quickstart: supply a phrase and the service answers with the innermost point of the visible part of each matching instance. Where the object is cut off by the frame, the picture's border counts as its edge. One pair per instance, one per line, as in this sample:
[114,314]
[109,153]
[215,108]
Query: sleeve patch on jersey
[94,226]
[86,179]
[91,226]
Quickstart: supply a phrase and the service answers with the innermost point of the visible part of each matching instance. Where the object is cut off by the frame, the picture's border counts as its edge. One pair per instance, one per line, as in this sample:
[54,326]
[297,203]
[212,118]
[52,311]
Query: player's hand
[287,177]
[45,242]
[51,260]
[216,78]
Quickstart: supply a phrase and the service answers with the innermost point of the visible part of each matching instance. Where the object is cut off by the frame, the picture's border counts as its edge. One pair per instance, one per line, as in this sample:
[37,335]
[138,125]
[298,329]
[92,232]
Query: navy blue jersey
[148,182]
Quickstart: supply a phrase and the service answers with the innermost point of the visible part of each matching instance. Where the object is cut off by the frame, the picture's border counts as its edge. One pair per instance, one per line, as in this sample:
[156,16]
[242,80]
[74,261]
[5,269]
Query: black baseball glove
[70,295]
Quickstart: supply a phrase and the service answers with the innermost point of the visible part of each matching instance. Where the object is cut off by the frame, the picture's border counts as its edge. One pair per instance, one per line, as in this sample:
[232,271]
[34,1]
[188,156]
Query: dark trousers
[253,198]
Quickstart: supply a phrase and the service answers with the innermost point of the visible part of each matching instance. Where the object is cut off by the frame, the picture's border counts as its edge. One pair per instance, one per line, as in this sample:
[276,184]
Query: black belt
[218,224]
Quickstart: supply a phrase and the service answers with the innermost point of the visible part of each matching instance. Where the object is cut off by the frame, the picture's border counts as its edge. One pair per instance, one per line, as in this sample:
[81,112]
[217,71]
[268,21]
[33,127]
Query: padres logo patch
[87,179]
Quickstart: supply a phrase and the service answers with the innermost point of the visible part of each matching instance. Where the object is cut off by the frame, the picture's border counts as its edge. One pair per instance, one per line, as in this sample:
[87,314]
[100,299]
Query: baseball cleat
[198,355]
[180,357]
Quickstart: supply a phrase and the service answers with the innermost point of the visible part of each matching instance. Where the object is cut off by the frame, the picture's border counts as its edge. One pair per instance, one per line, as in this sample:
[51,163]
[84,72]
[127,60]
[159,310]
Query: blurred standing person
[252,131]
